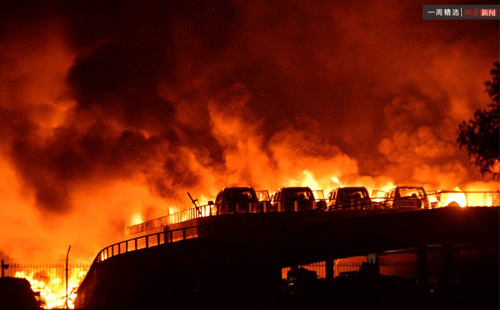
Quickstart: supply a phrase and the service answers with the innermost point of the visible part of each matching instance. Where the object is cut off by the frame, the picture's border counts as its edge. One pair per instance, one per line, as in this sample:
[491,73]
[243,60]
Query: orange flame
[53,290]
[455,198]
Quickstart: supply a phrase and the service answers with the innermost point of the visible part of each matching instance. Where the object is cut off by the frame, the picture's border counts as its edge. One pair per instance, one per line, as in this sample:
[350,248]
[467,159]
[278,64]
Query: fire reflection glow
[136,219]
[453,198]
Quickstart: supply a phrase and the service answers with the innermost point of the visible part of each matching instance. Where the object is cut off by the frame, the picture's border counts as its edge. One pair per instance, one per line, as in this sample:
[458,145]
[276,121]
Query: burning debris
[48,282]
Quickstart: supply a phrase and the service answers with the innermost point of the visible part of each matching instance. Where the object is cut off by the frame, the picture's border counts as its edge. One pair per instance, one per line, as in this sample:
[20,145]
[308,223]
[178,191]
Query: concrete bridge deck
[249,250]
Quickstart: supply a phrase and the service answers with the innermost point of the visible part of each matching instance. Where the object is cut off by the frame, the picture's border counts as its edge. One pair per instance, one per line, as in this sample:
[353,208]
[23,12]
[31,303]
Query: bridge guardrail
[465,198]
[206,211]
[470,199]
[147,241]
[490,198]
[131,245]
[178,217]
[437,199]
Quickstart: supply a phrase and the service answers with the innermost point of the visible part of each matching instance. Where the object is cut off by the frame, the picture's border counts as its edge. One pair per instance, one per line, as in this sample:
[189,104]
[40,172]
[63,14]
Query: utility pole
[67,255]
[4,266]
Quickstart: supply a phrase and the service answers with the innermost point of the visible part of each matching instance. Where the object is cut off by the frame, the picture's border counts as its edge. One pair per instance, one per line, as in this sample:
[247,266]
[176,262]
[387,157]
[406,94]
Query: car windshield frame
[408,191]
[237,194]
[349,193]
[292,193]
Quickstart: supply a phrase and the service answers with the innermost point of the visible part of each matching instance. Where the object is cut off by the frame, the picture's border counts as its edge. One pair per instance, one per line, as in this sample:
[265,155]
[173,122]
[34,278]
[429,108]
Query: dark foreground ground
[17,294]
[478,288]
[373,291]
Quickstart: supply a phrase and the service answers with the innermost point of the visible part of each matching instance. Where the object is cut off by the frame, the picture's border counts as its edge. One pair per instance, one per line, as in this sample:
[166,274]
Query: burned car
[236,200]
[293,199]
[407,197]
[349,198]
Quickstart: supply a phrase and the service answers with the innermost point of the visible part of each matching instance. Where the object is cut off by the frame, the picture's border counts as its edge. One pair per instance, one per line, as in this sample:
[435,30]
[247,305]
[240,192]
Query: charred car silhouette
[237,200]
[294,199]
[349,198]
[407,197]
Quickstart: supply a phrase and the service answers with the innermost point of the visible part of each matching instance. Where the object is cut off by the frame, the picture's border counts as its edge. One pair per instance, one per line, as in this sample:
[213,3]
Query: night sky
[110,112]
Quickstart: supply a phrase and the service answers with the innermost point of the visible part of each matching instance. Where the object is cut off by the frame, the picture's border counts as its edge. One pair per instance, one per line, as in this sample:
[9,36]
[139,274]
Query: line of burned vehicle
[286,199]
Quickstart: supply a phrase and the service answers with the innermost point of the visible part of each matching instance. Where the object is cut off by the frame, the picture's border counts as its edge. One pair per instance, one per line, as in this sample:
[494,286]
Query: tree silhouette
[480,135]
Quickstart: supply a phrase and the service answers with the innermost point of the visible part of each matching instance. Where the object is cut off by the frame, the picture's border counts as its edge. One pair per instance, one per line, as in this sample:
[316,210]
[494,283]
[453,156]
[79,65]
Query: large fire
[52,288]
[110,115]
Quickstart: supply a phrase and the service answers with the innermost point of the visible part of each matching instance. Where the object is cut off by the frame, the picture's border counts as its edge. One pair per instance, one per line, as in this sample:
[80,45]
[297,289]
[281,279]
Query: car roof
[409,186]
[237,187]
[295,187]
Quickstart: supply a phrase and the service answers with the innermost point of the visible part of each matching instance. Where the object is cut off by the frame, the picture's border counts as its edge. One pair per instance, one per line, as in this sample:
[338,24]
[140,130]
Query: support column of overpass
[447,280]
[329,272]
[422,274]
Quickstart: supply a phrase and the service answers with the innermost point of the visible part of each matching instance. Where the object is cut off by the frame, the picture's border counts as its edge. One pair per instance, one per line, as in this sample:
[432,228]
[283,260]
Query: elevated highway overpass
[216,254]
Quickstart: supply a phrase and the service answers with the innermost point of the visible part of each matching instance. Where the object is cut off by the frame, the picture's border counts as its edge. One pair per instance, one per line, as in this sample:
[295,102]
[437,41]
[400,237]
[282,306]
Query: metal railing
[407,269]
[219,209]
[147,241]
[169,236]
[465,198]
[47,280]
[434,200]
[490,198]
[131,245]
[178,217]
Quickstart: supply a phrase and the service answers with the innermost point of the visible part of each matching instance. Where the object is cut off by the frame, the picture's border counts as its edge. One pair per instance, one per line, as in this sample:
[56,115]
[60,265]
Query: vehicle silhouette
[237,200]
[293,199]
[349,198]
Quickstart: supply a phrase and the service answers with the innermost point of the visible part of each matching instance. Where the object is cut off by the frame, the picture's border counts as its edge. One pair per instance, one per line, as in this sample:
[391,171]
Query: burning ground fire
[51,285]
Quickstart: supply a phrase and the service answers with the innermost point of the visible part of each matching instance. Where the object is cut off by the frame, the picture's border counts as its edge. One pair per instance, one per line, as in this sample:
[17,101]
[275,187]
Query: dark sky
[110,110]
